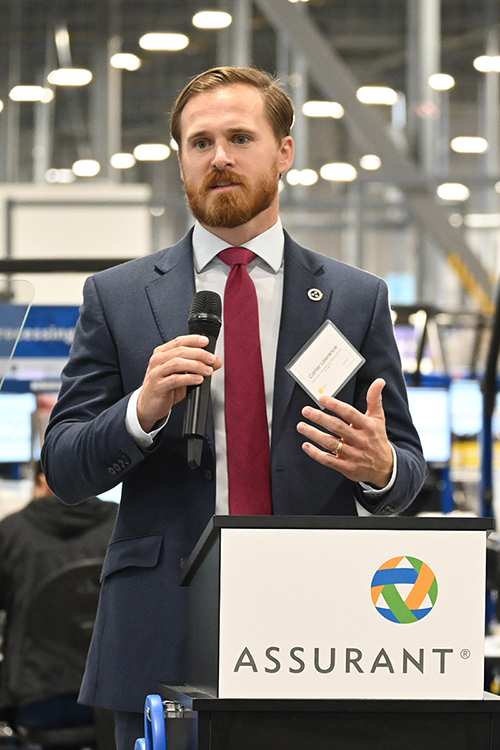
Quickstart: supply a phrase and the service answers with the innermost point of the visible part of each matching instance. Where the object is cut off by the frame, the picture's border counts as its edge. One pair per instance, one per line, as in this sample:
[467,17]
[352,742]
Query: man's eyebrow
[205,133]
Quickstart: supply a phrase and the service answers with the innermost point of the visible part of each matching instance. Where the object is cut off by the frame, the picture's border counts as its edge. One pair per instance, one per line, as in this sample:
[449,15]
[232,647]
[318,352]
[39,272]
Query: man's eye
[240,139]
[201,144]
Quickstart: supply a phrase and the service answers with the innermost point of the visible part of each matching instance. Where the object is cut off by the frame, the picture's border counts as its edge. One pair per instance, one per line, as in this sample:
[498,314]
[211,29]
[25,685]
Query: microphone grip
[195,414]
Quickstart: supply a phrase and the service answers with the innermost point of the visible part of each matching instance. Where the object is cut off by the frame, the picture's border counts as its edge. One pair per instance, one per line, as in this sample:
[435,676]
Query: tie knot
[237,256]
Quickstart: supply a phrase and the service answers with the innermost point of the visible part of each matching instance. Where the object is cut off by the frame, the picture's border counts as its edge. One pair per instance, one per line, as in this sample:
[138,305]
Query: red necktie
[247,432]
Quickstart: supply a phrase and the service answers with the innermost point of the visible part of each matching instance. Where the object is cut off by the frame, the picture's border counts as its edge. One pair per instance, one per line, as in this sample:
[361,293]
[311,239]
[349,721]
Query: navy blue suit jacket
[127,312]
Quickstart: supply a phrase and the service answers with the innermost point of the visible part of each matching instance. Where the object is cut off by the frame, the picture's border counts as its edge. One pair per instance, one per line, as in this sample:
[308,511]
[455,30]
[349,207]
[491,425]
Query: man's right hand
[172,368]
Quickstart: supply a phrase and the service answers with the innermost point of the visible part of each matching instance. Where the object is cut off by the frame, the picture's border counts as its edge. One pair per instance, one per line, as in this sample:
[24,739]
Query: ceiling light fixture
[86,167]
[64,176]
[377,95]
[469,145]
[165,42]
[338,172]
[487,63]
[305,177]
[370,162]
[70,77]
[27,93]
[122,161]
[212,19]
[453,191]
[125,61]
[441,82]
[151,152]
[323,109]
[482,221]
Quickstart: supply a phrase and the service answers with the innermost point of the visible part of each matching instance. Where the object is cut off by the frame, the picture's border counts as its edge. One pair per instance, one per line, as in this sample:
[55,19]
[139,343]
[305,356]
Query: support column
[242,33]
[424,50]
[14,79]
[489,162]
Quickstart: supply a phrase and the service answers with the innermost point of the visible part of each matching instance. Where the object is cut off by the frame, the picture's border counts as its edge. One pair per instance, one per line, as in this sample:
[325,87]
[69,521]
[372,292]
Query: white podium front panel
[385,614]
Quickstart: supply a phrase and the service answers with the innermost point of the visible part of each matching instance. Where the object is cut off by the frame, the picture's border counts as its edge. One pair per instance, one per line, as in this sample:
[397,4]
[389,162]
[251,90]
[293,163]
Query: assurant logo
[404,589]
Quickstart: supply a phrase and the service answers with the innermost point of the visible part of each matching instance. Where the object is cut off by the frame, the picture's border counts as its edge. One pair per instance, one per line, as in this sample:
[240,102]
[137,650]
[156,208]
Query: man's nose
[222,158]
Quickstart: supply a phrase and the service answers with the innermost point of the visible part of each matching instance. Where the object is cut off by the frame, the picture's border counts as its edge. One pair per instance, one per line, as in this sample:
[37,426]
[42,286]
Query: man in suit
[120,411]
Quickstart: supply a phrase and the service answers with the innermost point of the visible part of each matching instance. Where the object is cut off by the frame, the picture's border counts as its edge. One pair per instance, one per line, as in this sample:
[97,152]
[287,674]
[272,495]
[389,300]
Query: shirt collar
[269,246]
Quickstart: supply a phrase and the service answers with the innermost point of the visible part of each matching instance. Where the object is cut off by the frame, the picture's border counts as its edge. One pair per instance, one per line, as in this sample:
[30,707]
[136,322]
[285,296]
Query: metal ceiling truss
[336,81]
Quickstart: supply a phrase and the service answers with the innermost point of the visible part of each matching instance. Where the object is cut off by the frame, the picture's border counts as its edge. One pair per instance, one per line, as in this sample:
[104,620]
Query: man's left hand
[357,444]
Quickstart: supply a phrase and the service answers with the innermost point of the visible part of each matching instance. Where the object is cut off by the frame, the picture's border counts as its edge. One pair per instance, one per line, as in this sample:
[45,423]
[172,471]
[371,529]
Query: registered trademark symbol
[465,653]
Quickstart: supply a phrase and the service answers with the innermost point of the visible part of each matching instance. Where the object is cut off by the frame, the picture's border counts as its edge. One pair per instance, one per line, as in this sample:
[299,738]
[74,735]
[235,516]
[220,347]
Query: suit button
[125,459]
[111,470]
[209,475]
[117,467]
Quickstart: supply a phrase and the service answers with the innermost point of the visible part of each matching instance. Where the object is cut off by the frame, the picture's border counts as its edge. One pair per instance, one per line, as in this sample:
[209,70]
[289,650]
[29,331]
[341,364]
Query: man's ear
[286,153]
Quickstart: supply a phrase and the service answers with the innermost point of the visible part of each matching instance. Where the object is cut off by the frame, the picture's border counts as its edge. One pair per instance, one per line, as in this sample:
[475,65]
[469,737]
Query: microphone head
[205,314]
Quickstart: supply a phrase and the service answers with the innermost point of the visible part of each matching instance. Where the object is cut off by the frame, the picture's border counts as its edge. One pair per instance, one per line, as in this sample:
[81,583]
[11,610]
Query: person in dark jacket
[38,688]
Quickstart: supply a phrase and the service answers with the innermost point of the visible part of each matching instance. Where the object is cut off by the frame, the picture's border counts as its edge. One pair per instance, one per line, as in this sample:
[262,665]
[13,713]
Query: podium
[338,632]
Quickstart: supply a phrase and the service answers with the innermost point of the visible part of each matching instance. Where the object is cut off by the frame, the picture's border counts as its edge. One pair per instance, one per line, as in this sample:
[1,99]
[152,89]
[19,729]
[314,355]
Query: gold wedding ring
[339,447]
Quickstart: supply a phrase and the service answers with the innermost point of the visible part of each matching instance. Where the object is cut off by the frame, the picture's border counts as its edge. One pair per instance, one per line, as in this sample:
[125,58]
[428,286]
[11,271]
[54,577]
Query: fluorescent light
[293,176]
[456,220]
[305,177]
[173,144]
[441,82]
[125,61]
[370,162]
[1,105]
[469,145]
[122,161]
[377,95]
[86,167]
[48,95]
[212,19]
[70,77]
[482,221]
[164,41]
[26,93]
[487,63]
[308,177]
[151,152]
[338,172]
[453,191]
[323,109]
[64,176]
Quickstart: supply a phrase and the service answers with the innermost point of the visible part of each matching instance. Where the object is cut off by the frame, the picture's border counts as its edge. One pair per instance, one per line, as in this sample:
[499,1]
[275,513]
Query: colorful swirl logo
[404,589]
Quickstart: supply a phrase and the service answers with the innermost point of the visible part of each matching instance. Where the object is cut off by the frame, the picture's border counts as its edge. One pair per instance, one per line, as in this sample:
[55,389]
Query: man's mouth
[223,184]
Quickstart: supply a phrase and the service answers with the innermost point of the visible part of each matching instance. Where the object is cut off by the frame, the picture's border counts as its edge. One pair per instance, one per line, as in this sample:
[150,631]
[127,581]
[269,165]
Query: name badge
[325,363]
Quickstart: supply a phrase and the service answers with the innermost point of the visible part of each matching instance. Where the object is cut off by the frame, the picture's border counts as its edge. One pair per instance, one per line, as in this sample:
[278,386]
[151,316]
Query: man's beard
[234,208]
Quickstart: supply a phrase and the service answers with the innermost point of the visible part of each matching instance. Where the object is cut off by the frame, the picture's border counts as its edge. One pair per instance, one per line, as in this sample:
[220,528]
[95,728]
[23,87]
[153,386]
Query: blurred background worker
[39,685]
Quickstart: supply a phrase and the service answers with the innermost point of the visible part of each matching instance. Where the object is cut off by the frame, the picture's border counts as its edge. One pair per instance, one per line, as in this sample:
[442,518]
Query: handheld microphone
[205,320]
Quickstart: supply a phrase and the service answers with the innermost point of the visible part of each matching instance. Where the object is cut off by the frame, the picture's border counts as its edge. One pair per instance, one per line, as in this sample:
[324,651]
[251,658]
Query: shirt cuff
[134,429]
[371,492]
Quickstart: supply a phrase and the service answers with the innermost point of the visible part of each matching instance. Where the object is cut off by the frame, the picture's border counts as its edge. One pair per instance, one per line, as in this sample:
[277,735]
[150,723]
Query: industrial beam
[335,79]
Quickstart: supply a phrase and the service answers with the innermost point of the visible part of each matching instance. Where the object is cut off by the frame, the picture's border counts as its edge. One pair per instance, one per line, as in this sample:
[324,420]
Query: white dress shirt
[211,274]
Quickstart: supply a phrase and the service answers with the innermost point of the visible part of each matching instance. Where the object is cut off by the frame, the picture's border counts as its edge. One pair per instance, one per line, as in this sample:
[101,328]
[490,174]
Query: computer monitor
[466,407]
[430,411]
[16,411]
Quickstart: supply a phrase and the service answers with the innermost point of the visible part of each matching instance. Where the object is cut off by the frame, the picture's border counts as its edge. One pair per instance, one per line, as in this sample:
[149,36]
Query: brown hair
[277,104]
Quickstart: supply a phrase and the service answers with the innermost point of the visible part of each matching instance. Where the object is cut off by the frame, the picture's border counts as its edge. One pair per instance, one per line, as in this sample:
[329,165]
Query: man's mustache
[217,177]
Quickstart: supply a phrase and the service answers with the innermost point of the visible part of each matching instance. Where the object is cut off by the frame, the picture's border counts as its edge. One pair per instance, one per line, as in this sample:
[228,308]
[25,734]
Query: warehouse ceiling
[371,36]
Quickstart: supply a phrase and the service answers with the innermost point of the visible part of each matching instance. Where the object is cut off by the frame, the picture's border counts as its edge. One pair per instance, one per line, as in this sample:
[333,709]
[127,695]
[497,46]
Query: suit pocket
[139,552]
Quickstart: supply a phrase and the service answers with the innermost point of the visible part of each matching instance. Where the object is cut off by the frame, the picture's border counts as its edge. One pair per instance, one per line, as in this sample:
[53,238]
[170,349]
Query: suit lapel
[301,316]
[170,294]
